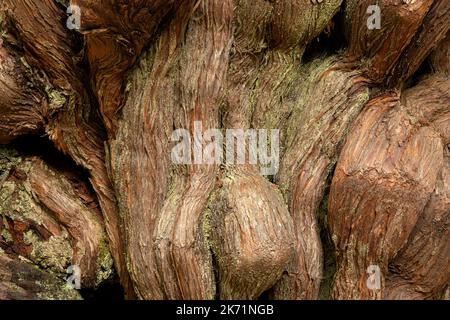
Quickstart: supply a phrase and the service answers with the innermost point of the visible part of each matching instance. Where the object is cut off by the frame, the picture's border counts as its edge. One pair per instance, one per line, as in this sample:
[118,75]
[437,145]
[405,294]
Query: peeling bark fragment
[163,205]
[382,47]
[251,233]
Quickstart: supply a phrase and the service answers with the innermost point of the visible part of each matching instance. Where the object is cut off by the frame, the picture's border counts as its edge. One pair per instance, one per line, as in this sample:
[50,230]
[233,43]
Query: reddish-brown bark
[110,97]
[380,49]
[72,124]
[384,179]
[50,217]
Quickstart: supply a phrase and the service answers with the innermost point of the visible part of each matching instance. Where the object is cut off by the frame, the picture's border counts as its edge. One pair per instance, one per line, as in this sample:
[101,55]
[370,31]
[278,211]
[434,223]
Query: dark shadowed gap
[422,72]
[216,275]
[329,42]
[33,145]
[107,291]
[329,257]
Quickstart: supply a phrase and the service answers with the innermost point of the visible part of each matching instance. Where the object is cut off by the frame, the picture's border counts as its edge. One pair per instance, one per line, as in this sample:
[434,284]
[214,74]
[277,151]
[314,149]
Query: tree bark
[362,177]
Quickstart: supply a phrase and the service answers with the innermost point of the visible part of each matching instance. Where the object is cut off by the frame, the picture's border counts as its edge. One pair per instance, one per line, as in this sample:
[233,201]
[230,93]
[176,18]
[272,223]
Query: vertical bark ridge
[115,34]
[24,107]
[329,100]
[168,240]
[245,232]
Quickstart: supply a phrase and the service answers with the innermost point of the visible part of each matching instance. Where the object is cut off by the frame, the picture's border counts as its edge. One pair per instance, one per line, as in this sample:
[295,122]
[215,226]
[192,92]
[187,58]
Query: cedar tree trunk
[87,178]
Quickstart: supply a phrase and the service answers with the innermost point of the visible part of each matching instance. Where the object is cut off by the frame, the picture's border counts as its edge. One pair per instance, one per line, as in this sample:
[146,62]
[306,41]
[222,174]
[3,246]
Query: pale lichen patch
[6,236]
[105,267]
[54,254]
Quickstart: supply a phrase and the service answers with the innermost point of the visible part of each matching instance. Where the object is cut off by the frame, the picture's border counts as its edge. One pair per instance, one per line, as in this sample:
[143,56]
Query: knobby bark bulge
[87,176]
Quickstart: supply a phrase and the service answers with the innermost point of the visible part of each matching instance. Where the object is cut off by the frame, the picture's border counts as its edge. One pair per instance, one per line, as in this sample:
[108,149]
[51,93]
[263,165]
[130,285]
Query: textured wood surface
[364,133]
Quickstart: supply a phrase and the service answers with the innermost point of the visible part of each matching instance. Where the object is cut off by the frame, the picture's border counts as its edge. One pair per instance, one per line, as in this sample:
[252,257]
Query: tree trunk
[360,179]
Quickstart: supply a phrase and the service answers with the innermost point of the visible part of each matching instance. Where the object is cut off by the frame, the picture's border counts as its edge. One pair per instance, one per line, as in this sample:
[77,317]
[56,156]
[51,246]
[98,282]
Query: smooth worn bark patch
[250,232]
[23,106]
